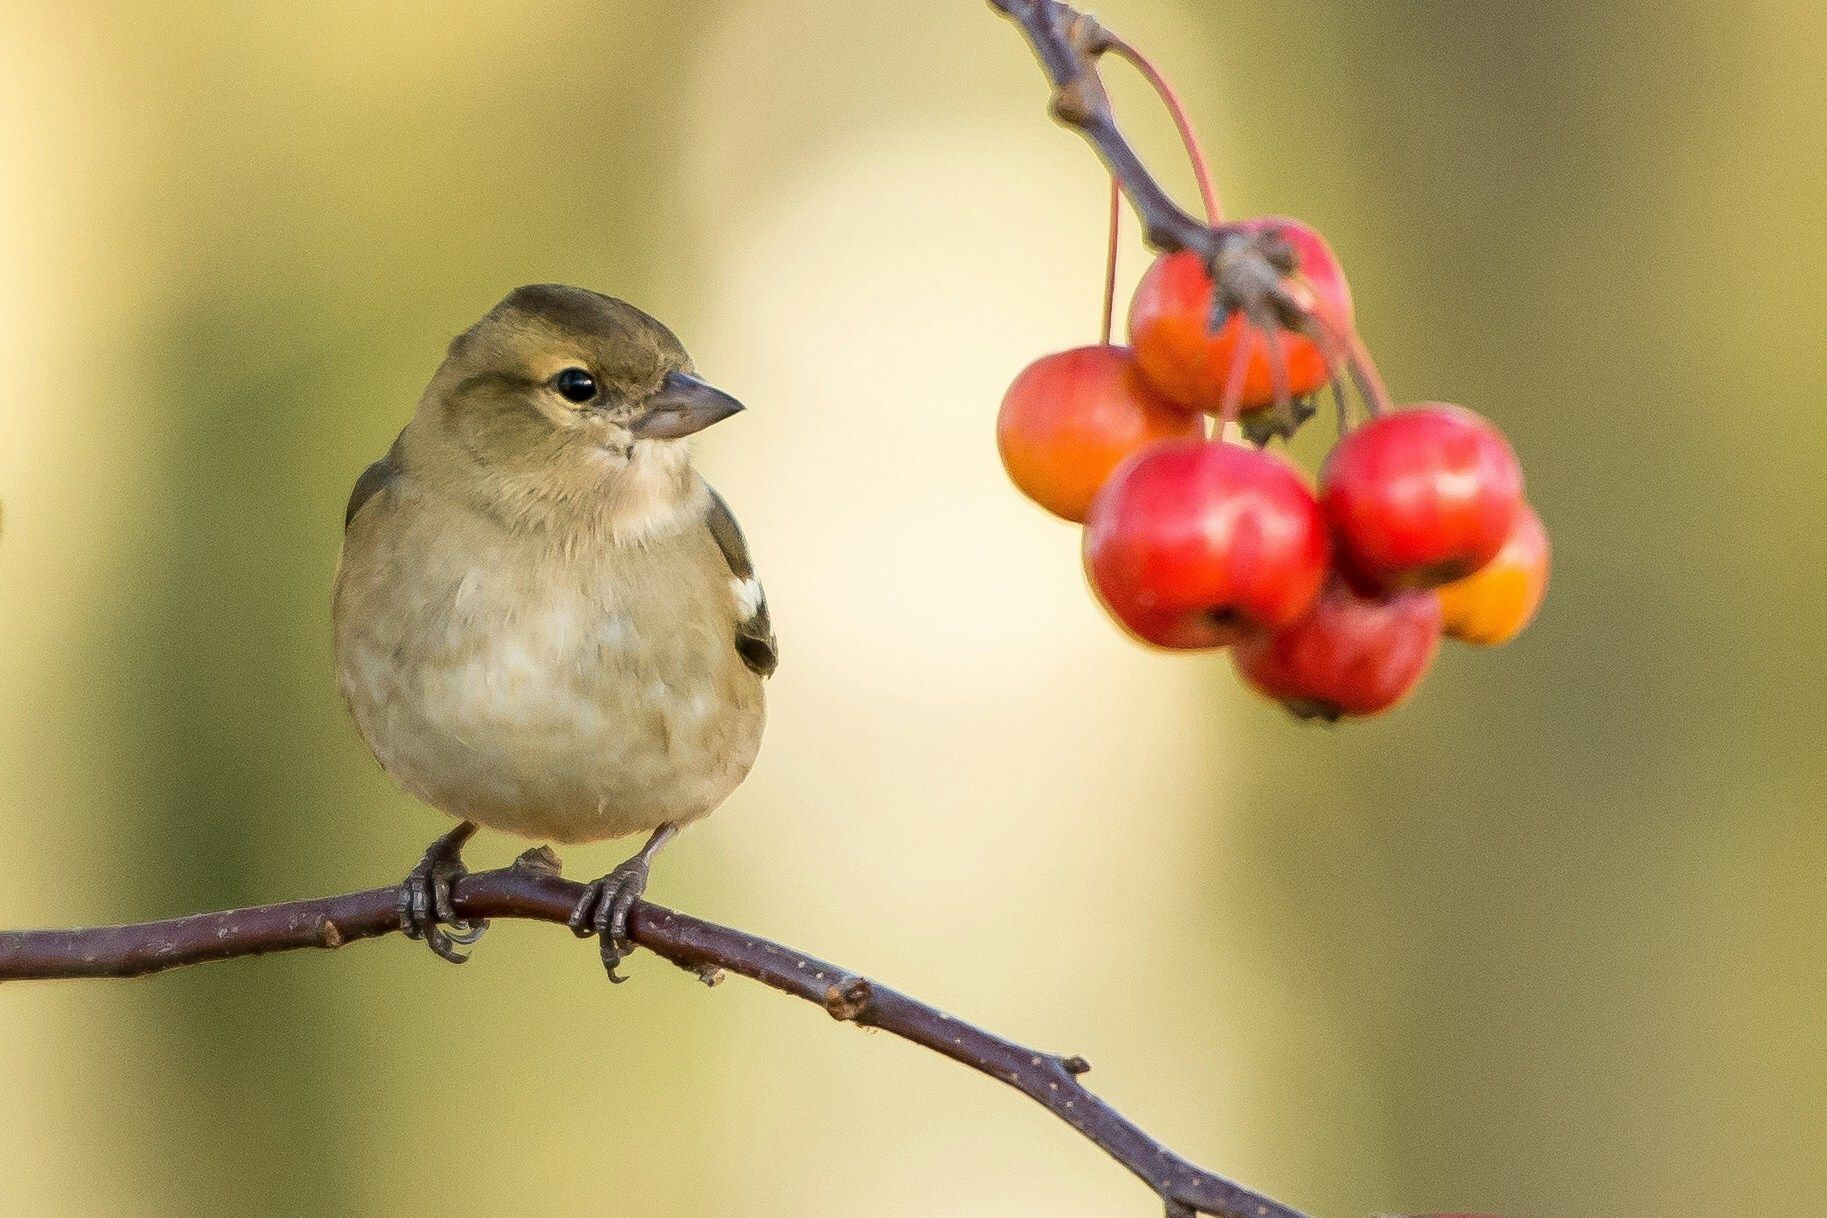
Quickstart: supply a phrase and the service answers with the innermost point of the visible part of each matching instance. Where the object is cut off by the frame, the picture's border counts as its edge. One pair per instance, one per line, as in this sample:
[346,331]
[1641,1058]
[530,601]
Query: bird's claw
[425,908]
[604,910]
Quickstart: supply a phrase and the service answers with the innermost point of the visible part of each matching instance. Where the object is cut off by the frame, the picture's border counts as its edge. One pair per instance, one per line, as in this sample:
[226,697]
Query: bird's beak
[683,406]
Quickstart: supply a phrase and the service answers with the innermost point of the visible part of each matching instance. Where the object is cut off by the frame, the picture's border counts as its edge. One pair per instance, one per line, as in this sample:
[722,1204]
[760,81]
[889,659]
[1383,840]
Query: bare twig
[1068,43]
[1249,270]
[532,889]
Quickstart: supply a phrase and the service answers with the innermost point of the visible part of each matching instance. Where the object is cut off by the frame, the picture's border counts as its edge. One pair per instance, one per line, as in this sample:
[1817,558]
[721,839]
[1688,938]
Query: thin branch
[532,889]
[1189,139]
[1243,269]
[1067,43]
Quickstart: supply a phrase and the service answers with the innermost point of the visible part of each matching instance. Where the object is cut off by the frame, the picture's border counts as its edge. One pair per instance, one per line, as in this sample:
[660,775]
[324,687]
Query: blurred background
[1546,941]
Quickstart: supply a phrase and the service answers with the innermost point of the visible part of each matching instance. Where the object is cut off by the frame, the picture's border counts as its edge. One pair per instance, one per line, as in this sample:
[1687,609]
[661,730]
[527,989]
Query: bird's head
[561,395]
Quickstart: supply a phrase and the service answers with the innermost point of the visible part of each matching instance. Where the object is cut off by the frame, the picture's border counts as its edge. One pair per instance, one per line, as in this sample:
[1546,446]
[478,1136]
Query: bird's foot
[425,907]
[605,907]
[604,911]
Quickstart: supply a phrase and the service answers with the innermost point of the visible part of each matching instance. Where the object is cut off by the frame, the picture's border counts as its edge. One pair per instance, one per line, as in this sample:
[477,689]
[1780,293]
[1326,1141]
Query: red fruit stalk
[1202,170]
[1200,543]
[1110,261]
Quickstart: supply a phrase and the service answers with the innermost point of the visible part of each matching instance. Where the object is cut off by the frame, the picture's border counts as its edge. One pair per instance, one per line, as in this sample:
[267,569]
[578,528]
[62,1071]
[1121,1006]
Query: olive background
[1548,940]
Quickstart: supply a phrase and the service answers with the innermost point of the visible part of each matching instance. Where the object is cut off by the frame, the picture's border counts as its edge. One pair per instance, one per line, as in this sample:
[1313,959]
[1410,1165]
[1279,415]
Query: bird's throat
[654,494]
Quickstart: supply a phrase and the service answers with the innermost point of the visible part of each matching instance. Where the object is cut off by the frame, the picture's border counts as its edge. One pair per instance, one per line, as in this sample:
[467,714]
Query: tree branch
[1067,43]
[531,888]
[1247,269]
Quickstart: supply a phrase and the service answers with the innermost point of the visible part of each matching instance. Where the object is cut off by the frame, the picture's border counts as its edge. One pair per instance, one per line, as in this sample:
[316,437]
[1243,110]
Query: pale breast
[562,694]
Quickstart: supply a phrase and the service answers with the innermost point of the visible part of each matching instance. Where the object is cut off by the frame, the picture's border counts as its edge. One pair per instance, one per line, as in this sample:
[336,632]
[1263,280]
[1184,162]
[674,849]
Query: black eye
[575,385]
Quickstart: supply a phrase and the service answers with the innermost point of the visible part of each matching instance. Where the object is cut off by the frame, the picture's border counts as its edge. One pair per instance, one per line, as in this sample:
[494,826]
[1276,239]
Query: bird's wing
[754,631]
[373,479]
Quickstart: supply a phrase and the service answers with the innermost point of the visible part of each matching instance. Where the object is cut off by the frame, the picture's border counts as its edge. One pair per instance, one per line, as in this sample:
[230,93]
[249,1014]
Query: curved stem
[1110,260]
[1195,152]
[1363,368]
[1326,339]
[1232,399]
[1066,42]
[1330,354]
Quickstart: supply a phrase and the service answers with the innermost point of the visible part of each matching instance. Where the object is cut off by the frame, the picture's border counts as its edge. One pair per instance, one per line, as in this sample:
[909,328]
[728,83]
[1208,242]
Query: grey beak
[684,406]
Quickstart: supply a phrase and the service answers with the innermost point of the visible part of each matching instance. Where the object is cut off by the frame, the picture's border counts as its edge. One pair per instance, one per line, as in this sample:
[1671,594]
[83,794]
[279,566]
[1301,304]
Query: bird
[545,621]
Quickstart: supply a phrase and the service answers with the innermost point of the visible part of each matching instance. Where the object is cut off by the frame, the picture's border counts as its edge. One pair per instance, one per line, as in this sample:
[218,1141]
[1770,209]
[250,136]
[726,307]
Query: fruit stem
[1110,259]
[1357,359]
[1338,398]
[1364,371]
[1278,368]
[1233,385]
[1328,345]
[1202,170]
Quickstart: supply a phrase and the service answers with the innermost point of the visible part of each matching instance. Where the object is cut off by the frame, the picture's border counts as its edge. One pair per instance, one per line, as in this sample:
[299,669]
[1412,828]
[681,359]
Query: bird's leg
[425,907]
[607,902]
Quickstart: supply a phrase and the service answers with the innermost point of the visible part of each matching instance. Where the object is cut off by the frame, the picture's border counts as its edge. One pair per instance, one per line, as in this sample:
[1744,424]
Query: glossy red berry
[1071,418]
[1199,543]
[1494,603]
[1351,656]
[1420,497]
[1170,325]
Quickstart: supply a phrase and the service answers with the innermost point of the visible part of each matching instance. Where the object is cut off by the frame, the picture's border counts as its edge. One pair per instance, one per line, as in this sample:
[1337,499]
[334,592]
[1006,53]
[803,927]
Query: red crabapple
[1198,543]
[1420,497]
[1351,656]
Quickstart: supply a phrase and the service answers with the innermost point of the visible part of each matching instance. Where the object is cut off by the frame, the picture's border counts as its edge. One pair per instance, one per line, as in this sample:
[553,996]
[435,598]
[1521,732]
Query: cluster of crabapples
[1331,602]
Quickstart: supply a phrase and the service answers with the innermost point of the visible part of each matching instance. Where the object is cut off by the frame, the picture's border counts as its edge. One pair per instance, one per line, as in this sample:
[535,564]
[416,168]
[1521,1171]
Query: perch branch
[531,888]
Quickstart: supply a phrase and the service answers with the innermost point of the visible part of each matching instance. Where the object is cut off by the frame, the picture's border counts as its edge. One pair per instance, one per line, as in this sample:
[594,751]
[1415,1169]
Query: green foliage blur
[1546,941]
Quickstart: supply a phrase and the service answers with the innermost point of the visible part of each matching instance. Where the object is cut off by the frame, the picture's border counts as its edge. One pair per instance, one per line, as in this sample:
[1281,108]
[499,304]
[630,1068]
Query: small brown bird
[545,621]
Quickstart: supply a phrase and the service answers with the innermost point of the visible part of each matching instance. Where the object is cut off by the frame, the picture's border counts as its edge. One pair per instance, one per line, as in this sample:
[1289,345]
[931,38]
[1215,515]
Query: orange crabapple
[1069,419]
[1170,325]
[1494,603]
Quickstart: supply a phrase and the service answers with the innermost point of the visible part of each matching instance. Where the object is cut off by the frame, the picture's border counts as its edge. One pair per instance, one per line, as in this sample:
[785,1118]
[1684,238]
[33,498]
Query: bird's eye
[575,385]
